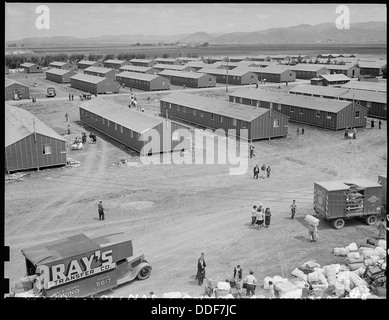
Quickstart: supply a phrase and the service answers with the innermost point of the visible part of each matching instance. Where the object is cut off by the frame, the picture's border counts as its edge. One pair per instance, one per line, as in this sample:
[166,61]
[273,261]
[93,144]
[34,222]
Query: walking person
[68,128]
[101,210]
[298,131]
[263,171]
[302,130]
[259,217]
[83,138]
[267,217]
[293,208]
[66,117]
[256,172]
[372,123]
[253,215]
[251,148]
[201,269]
[70,97]
[379,124]
[251,283]
[381,229]
[312,230]
[268,169]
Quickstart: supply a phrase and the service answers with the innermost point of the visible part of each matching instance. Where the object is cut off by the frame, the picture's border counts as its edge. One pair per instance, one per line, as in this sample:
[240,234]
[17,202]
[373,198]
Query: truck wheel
[371,220]
[144,273]
[338,223]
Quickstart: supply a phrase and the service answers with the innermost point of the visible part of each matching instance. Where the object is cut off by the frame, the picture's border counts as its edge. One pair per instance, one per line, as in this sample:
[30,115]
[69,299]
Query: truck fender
[140,266]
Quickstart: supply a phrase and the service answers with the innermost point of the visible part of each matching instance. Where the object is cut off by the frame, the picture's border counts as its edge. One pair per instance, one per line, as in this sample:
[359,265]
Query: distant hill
[303,33]
[197,38]
[358,32]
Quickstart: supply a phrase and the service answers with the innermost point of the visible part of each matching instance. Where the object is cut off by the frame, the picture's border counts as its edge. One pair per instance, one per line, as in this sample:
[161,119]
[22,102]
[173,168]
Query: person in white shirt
[259,217]
[251,283]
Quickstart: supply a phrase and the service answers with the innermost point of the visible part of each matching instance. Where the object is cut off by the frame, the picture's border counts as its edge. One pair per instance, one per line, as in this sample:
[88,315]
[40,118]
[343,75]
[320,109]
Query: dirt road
[174,212]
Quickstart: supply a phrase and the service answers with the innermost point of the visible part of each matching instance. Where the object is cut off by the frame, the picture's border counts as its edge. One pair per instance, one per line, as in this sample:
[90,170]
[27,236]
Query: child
[253,215]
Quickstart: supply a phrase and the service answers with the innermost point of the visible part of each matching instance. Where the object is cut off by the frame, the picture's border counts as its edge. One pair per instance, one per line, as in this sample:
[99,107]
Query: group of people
[300,129]
[372,124]
[350,133]
[92,136]
[264,170]
[260,217]
[71,98]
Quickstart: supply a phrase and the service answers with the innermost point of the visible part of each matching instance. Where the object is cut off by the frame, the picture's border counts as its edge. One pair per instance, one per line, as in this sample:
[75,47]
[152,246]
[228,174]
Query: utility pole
[227,77]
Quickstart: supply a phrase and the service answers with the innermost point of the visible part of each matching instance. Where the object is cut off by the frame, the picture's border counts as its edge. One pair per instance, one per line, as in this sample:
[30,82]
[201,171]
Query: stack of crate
[354,199]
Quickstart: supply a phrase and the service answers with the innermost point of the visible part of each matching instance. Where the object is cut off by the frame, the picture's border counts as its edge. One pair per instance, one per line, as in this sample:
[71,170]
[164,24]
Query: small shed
[94,84]
[114,63]
[15,90]
[139,131]
[319,112]
[189,79]
[143,81]
[138,69]
[83,64]
[31,67]
[372,68]
[260,123]
[101,72]
[59,65]
[29,143]
[235,76]
[59,75]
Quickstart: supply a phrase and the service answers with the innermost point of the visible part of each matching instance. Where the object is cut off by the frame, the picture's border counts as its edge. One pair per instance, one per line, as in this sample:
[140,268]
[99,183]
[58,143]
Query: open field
[174,212]
[374,49]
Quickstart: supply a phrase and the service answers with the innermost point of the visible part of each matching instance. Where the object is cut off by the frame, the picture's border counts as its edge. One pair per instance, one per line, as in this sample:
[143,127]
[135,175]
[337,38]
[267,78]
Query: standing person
[286,83]
[293,208]
[312,229]
[302,130]
[298,131]
[68,128]
[238,273]
[379,124]
[94,138]
[268,169]
[256,86]
[70,97]
[251,283]
[201,269]
[83,138]
[263,171]
[66,117]
[256,172]
[267,217]
[272,293]
[101,210]
[251,148]
[372,123]
[253,215]
[381,229]
[259,217]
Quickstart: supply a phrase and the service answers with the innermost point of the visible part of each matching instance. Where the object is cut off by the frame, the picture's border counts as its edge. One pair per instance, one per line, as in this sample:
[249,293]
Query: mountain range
[374,31]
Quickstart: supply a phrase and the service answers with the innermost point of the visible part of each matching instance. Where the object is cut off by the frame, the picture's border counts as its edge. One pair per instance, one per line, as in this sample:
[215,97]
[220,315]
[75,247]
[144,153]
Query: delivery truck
[81,265]
[337,201]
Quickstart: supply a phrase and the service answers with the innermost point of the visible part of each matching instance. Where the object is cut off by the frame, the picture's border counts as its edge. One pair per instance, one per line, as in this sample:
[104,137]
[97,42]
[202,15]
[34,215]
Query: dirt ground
[175,212]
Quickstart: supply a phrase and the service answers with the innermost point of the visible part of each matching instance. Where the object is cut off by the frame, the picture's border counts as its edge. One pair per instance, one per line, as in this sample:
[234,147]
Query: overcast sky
[89,20]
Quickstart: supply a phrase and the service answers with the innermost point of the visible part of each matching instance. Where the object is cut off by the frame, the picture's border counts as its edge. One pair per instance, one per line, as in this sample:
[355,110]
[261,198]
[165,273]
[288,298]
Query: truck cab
[81,265]
[51,92]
